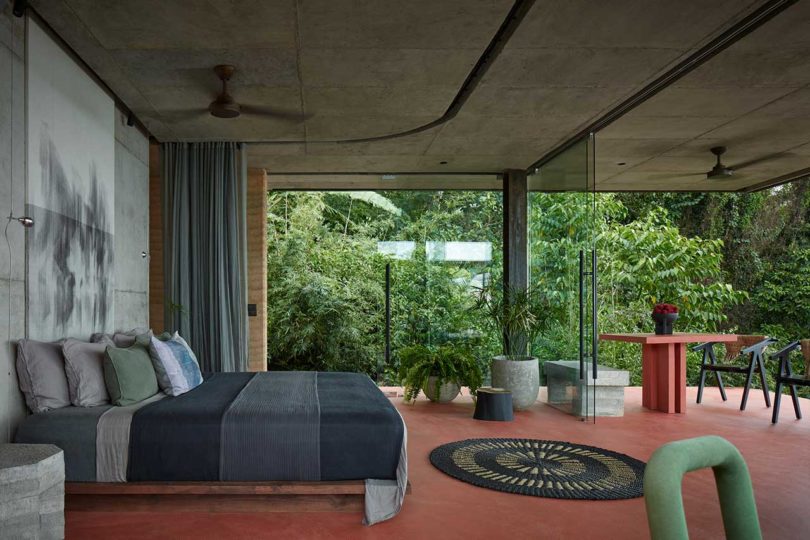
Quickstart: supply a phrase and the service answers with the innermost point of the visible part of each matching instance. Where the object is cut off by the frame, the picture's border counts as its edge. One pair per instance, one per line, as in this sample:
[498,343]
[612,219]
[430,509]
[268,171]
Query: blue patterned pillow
[175,365]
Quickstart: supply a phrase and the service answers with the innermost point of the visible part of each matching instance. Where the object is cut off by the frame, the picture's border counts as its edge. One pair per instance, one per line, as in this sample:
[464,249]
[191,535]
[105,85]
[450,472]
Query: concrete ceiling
[364,68]
[753,98]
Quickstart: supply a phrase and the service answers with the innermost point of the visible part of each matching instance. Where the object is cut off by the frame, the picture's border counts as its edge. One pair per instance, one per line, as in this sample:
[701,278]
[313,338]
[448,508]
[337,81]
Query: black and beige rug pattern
[556,469]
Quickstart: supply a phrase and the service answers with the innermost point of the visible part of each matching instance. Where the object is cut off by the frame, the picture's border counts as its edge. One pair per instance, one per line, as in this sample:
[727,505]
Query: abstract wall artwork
[70,195]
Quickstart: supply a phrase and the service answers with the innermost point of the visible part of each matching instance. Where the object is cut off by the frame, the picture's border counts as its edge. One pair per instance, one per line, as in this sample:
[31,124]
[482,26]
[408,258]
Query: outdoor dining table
[663,366]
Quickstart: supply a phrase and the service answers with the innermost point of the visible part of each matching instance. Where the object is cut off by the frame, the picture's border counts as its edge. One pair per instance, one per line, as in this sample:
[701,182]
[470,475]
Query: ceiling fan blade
[187,114]
[758,160]
[281,114]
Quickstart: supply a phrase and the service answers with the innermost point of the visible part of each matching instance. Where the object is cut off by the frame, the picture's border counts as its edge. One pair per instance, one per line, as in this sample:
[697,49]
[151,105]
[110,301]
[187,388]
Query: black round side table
[493,404]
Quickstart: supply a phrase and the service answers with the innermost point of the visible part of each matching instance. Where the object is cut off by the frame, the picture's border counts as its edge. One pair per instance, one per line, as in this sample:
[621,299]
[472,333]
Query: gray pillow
[41,373]
[100,337]
[119,339]
[84,367]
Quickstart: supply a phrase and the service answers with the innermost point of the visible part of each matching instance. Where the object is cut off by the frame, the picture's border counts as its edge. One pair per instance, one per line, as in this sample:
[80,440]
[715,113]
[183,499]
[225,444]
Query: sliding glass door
[562,268]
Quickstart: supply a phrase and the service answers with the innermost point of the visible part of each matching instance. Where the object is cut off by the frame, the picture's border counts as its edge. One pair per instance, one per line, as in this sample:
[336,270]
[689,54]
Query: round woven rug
[556,469]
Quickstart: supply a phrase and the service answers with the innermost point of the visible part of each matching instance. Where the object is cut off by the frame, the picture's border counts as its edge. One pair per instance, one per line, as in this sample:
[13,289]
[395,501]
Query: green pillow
[128,373]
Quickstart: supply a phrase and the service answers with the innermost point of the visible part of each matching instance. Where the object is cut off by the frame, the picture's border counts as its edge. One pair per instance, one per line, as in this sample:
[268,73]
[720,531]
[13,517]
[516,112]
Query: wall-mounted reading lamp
[25,221]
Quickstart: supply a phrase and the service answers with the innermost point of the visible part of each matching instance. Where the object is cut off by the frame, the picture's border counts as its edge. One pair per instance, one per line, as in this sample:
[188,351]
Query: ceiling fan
[225,106]
[721,171]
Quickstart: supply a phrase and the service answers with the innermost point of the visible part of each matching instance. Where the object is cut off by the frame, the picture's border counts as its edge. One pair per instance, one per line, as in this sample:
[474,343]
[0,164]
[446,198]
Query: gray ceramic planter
[447,391]
[521,377]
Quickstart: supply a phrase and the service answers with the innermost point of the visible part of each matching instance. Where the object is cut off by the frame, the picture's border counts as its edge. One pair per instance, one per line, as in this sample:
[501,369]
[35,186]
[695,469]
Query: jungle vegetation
[731,262]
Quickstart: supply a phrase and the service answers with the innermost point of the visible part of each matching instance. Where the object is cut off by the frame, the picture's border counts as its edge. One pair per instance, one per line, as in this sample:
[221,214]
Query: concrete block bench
[32,491]
[567,392]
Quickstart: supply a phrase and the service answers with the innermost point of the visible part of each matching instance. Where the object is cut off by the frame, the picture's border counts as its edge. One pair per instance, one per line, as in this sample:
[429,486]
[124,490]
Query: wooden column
[157,290]
[257,268]
[515,229]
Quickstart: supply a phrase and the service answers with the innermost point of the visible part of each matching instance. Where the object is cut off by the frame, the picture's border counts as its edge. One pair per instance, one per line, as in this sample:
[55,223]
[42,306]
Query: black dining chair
[785,376]
[735,361]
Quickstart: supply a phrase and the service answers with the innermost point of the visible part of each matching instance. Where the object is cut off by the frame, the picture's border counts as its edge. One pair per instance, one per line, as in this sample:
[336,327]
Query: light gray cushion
[84,367]
[41,373]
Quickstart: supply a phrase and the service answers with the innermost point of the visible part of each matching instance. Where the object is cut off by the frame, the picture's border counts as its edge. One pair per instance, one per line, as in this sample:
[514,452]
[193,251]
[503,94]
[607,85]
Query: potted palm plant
[439,372]
[515,313]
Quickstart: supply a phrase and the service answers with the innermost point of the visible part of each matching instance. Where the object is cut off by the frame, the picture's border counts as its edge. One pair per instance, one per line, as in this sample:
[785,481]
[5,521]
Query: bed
[241,427]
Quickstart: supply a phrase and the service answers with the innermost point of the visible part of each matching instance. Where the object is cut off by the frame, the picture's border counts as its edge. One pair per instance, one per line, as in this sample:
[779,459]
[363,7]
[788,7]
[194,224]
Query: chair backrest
[806,353]
[663,483]
[733,348]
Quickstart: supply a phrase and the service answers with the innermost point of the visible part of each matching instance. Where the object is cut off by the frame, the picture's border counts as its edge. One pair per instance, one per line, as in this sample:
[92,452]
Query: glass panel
[457,250]
[561,259]
[354,277]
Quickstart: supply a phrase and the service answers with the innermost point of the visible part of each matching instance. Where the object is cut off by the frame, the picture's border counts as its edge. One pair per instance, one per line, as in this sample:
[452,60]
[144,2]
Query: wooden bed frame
[342,496]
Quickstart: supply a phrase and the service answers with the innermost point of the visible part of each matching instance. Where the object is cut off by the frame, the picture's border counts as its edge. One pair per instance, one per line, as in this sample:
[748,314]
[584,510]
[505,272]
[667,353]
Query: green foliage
[784,294]
[641,262]
[326,278]
[765,237]
[515,314]
[649,261]
[325,297]
[696,250]
[447,363]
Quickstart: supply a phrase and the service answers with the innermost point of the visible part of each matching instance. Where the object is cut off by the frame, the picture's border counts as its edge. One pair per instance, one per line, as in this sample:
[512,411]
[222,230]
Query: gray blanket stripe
[271,431]
[112,440]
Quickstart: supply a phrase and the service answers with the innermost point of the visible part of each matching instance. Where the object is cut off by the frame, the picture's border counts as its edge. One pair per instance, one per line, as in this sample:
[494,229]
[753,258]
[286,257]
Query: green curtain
[205,259]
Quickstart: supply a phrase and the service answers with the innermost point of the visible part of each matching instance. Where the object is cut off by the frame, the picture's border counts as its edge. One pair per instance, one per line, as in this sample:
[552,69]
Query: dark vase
[663,323]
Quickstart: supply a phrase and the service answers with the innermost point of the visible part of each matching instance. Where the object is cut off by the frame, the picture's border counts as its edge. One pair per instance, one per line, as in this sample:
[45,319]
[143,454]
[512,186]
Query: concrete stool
[567,392]
[32,491]
[493,404]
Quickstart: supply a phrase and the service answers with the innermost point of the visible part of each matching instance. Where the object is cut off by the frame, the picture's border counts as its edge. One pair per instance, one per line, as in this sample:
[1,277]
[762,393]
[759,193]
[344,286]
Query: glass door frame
[571,172]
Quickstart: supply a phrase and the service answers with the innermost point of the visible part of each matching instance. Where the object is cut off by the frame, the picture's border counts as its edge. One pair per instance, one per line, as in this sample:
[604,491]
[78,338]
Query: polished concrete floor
[441,507]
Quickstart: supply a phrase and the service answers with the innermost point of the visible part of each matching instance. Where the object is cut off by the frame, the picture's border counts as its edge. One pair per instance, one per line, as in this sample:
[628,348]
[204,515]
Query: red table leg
[680,378]
[664,377]
[649,398]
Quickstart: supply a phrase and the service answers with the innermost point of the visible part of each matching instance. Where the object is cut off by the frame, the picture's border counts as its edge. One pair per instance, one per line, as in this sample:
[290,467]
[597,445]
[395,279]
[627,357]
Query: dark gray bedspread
[73,429]
[293,426]
[178,438]
[271,431]
[361,431]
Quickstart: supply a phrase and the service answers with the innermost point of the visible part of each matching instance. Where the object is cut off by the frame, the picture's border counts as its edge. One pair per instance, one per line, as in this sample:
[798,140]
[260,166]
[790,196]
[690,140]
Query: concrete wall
[12,130]
[131,225]
[131,215]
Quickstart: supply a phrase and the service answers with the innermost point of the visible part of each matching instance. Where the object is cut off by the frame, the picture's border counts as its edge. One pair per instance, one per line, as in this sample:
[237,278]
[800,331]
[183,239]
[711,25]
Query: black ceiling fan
[721,171]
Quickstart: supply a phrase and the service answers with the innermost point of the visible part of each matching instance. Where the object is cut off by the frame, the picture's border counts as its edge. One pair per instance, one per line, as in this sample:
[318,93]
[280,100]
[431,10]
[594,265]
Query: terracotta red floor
[441,507]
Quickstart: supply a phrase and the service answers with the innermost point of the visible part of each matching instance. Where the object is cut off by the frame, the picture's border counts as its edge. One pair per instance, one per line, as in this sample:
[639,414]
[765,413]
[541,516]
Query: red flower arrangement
[661,309]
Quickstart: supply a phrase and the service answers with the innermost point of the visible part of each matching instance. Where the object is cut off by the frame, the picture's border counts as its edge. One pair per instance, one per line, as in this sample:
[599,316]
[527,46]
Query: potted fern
[439,372]
[517,315]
